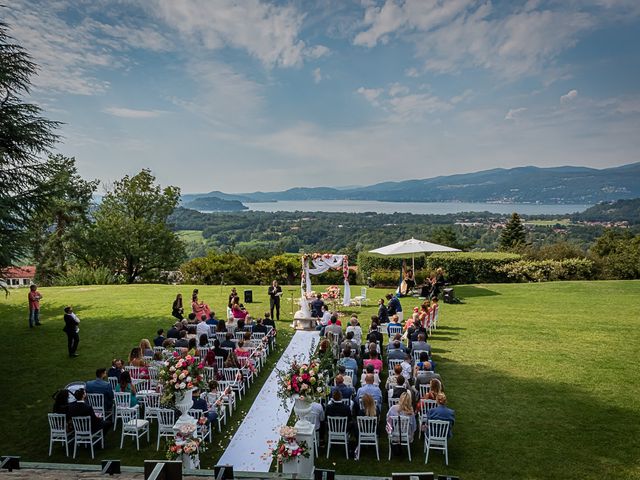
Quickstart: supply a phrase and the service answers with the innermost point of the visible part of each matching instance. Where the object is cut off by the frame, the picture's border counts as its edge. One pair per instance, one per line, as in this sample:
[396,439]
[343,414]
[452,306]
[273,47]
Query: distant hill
[516,185]
[618,211]
[215,204]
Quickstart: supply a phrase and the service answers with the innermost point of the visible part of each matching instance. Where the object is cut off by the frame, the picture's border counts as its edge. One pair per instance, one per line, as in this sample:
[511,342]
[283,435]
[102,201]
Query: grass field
[191,235]
[543,377]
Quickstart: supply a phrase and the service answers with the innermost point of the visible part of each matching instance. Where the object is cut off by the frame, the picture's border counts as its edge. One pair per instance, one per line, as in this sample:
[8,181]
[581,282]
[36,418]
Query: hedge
[471,267]
[548,270]
[390,278]
[369,263]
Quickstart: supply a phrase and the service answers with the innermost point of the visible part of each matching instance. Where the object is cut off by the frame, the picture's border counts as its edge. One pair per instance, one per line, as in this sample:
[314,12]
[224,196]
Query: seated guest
[157,342]
[102,386]
[407,368]
[169,343]
[345,391]
[243,352]
[116,368]
[202,327]
[316,307]
[396,352]
[441,412]
[422,359]
[174,332]
[335,407]
[402,386]
[371,389]
[393,322]
[372,348]
[354,327]
[238,312]
[368,406]
[375,336]
[200,403]
[369,370]
[218,350]
[403,408]
[191,319]
[350,342]
[374,360]
[80,408]
[212,320]
[383,313]
[259,327]
[193,345]
[125,385]
[61,402]
[348,361]
[397,337]
[334,328]
[324,321]
[424,375]
[145,348]
[392,380]
[228,341]
[221,327]
[182,341]
[435,388]
[419,342]
[342,370]
[203,341]
[136,360]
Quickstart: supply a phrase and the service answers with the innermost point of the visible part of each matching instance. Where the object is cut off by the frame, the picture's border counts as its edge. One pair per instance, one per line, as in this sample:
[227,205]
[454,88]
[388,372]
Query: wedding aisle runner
[250,447]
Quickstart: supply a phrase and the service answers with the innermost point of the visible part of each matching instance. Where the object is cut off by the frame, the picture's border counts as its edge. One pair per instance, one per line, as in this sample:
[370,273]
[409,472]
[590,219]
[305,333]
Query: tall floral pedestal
[306,433]
[186,427]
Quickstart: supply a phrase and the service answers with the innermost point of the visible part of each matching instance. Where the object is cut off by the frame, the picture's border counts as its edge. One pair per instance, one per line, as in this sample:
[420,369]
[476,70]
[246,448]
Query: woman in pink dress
[244,353]
[199,308]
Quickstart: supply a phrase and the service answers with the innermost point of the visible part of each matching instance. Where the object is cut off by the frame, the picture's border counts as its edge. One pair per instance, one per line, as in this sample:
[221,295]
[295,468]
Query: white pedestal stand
[306,433]
[184,401]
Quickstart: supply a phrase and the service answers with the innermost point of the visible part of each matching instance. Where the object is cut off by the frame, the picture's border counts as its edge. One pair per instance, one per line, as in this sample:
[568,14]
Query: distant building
[18,276]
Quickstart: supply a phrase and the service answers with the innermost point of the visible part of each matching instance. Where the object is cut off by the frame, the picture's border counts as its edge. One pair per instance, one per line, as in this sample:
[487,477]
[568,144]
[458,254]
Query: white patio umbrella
[410,247]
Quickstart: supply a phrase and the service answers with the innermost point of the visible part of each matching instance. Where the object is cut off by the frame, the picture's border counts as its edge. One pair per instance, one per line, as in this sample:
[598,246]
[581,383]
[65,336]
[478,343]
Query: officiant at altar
[275,292]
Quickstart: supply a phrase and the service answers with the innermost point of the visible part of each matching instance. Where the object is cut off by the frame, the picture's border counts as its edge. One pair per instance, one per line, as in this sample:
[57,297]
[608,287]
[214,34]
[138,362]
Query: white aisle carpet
[250,448]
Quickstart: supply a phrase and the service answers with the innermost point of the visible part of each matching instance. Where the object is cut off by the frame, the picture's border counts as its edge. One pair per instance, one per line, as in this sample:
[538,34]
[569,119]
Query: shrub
[216,267]
[85,276]
[369,263]
[548,270]
[391,278]
[472,267]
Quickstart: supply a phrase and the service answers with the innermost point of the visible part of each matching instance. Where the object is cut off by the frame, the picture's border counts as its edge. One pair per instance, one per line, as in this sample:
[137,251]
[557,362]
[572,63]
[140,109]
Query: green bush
[284,268]
[472,267]
[369,263]
[216,267]
[86,276]
[548,270]
[391,278]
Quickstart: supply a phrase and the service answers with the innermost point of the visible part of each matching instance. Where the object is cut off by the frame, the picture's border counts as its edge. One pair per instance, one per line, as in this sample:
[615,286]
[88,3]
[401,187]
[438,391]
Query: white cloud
[462,97]
[371,94]
[124,112]
[398,89]
[67,57]
[514,113]
[412,72]
[569,96]
[317,75]
[266,31]
[457,34]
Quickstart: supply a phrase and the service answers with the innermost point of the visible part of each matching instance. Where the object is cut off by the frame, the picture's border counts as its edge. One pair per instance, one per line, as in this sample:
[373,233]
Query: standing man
[275,292]
[34,306]
[71,328]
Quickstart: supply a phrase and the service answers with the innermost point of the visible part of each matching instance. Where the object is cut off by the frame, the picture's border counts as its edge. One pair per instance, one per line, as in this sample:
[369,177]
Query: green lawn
[191,235]
[543,377]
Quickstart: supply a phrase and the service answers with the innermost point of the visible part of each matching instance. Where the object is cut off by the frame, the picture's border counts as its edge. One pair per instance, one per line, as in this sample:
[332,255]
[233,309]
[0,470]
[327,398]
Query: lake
[435,208]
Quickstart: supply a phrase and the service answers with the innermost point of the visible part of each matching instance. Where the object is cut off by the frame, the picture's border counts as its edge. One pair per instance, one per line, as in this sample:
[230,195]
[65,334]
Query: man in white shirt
[202,328]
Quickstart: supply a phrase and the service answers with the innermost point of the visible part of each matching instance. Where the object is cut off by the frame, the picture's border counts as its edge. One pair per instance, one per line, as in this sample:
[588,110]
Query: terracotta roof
[19,272]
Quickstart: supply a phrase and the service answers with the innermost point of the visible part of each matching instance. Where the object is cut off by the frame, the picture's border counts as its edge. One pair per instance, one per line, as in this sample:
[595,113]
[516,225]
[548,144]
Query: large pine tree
[25,138]
[513,234]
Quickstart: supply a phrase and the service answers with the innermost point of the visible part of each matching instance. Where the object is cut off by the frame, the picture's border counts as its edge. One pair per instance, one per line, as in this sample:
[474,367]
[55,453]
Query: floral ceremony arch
[321,262]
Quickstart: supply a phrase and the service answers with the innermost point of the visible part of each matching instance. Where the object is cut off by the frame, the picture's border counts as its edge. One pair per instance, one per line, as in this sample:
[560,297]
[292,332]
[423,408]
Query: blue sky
[253,95]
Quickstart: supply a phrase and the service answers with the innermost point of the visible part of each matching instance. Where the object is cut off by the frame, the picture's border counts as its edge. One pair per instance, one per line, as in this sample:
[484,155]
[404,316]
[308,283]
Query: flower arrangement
[185,443]
[180,372]
[303,380]
[287,447]
[332,293]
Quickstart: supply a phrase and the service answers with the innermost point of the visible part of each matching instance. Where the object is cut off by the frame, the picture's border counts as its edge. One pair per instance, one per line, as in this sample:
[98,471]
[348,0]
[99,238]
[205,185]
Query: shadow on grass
[509,427]
[470,291]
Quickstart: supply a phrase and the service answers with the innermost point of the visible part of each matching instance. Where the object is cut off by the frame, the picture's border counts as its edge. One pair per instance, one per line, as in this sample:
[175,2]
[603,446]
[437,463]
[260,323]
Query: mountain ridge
[528,184]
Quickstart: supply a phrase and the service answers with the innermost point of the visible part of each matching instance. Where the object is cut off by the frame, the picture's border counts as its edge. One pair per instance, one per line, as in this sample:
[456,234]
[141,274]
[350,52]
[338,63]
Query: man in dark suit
[316,307]
[81,409]
[100,385]
[71,322]
[275,292]
[157,342]
[174,331]
[182,342]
